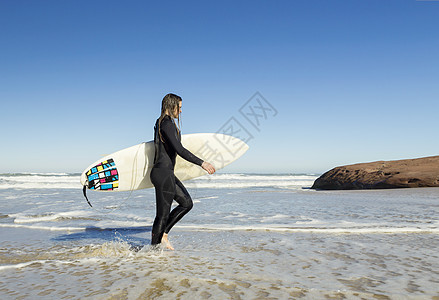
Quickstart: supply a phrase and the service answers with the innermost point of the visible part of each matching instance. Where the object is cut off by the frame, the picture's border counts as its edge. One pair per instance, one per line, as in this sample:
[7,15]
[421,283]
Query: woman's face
[177,110]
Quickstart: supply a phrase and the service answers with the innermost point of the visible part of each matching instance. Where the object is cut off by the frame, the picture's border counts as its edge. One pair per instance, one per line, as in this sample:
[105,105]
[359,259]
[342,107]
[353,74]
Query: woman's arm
[168,129]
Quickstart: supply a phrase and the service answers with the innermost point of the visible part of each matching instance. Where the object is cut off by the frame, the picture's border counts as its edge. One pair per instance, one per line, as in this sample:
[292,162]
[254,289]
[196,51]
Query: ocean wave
[235,181]
[326,230]
[247,177]
[21,218]
[250,184]
[39,181]
[266,228]
[38,174]
[41,227]
[232,181]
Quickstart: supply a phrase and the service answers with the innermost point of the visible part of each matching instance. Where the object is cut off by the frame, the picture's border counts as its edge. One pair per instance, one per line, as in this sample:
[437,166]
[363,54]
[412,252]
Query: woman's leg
[185,204]
[164,183]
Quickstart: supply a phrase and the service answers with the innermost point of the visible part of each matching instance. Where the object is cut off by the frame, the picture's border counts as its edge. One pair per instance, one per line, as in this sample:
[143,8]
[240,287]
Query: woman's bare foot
[166,242]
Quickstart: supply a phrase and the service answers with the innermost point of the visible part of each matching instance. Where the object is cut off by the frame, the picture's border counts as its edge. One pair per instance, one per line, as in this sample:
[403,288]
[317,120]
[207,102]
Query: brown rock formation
[407,173]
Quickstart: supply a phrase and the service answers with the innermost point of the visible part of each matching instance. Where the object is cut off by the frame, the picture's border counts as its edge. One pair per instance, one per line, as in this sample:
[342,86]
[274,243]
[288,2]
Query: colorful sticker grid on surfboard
[104,176]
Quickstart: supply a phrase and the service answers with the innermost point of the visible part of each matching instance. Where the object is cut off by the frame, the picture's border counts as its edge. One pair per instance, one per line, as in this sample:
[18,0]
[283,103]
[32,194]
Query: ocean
[249,236]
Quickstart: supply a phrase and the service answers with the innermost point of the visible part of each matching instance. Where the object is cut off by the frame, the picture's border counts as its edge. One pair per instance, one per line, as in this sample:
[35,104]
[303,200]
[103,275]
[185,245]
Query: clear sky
[351,81]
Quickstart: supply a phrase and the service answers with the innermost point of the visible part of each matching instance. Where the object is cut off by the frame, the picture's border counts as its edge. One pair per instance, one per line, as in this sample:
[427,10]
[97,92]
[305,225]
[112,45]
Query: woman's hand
[208,167]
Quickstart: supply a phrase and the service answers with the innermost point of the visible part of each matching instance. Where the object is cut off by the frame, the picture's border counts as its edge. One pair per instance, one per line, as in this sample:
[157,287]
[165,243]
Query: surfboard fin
[84,191]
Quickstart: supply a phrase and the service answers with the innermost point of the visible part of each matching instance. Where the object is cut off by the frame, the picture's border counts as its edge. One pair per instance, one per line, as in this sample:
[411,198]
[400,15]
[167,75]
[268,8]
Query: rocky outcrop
[407,173]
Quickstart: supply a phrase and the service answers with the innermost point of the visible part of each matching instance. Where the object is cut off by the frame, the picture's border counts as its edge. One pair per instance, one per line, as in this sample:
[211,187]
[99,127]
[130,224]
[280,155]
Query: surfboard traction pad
[104,176]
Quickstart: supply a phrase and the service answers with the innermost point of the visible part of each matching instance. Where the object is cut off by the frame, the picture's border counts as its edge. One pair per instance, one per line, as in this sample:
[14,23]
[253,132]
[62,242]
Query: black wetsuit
[167,186]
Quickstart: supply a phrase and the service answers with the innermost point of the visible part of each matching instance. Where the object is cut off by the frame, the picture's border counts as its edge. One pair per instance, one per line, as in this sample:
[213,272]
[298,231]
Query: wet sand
[232,265]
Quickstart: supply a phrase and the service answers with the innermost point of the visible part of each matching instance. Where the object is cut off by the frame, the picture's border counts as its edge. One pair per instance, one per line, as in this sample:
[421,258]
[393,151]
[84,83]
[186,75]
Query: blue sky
[351,81]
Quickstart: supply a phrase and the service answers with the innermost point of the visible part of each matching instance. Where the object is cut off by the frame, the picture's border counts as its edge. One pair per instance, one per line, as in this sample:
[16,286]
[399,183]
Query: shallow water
[274,240]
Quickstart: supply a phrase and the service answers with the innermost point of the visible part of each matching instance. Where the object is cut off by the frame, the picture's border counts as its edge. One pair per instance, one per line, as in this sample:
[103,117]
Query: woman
[167,140]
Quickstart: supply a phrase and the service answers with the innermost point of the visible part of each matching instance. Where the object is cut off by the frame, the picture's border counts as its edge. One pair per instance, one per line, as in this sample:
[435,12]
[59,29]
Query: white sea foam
[238,185]
[231,181]
[47,174]
[204,198]
[22,265]
[41,227]
[21,218]
[306,221]
[275,217]
[46,261]
[339,230]
[236,181]
[39,181]
[122,224]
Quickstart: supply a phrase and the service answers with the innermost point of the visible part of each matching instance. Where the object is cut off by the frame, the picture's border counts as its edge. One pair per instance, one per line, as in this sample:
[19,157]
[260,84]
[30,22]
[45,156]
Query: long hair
[170,103]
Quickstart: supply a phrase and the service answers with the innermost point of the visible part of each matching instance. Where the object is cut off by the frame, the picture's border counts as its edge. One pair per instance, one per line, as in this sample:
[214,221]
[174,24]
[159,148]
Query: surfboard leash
[84,191]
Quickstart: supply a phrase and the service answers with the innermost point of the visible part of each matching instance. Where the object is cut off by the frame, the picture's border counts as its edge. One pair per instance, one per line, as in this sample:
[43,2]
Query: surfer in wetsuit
[167,140]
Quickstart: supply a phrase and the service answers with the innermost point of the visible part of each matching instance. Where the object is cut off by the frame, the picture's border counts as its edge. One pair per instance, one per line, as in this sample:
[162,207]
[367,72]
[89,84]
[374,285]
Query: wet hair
[170,103]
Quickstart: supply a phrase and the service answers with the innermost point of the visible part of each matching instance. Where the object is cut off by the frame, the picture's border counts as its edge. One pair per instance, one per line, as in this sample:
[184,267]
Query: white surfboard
[129,169]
